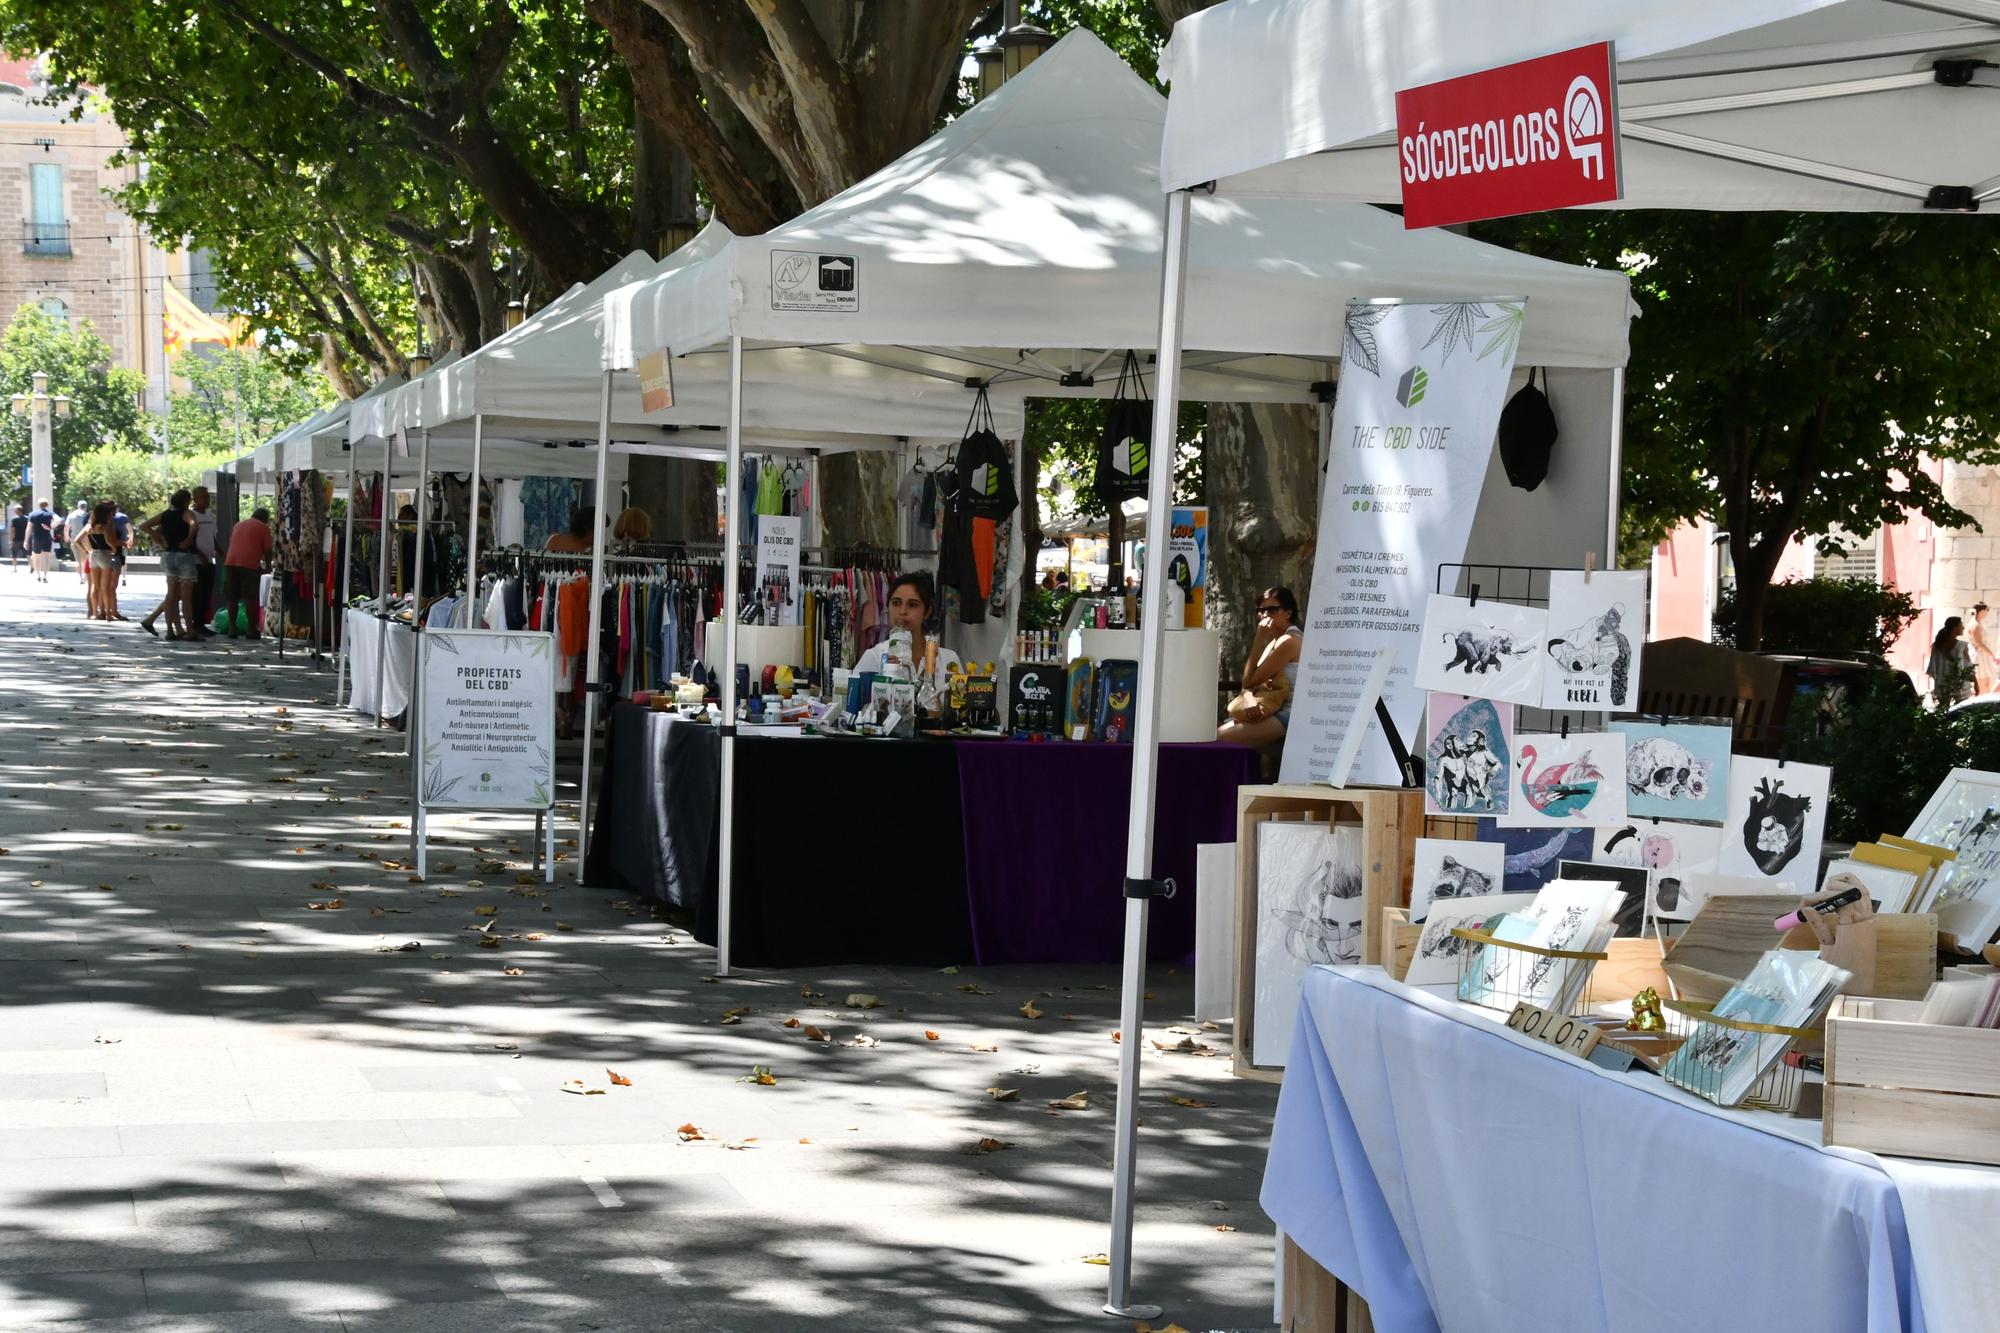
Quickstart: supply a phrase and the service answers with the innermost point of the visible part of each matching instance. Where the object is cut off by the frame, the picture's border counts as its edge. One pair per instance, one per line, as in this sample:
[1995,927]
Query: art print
[1534,855]
[1444,869]
[1468,749]
[1597,624]
[1964,815]
[1565,781]
[1309,910]
[1631,882]
[1669,853]
[1777,812]
[1492,650]
[1435,961]
[1675,770]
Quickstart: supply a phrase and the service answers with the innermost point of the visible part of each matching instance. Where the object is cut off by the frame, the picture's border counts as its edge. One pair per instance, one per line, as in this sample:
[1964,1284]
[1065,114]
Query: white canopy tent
[1020,248]
[1800,105]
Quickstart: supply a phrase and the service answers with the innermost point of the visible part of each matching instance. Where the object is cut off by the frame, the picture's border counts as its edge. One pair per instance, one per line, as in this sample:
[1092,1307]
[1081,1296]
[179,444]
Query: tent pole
[1145,756]
[590,654]
[346,584]
[384,530]
[1617,466]
[731,590]
[410,746]
[472,528]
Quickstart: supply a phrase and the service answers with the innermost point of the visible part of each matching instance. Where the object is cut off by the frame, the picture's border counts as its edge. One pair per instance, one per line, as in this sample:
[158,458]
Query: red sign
[1522,138]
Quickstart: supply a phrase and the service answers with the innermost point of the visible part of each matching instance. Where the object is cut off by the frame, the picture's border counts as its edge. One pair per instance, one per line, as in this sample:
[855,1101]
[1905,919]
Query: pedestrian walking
[249,551]
[41,540]
[73,526]
[204,551]
[124,526]
[17,534]
[173,530]
[100,543]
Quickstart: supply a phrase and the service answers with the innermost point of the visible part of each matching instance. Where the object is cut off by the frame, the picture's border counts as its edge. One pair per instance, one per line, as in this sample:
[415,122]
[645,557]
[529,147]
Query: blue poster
[1535,855]
[1676,770]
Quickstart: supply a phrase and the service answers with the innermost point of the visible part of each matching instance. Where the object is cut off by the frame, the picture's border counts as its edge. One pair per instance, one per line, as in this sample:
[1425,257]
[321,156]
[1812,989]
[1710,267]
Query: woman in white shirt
[911,598]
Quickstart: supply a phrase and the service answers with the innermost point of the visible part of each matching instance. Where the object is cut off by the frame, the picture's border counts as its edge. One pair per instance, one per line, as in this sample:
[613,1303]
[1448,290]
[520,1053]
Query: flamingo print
[1559,791]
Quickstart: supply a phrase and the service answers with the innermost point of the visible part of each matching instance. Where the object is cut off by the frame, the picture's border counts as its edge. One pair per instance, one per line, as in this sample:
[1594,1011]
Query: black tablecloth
[847,851]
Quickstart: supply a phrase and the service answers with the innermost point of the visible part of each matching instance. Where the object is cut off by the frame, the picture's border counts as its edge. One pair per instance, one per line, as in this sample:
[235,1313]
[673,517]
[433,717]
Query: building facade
[66,247]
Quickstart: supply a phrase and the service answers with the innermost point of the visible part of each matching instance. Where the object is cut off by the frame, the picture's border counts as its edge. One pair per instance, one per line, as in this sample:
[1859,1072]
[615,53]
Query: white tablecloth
[1461,1183]
[363,634]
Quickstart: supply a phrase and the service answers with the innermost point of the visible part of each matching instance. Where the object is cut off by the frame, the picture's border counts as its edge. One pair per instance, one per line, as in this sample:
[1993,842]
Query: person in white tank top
[1274,652]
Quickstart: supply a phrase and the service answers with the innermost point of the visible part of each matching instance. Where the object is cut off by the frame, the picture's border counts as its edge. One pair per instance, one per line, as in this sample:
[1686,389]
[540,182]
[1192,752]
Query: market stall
[1376,1171]
[1019,249]
[994,851]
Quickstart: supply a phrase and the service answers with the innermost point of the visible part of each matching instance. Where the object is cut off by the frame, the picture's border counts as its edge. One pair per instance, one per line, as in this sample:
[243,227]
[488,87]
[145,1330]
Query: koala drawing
[1666,771]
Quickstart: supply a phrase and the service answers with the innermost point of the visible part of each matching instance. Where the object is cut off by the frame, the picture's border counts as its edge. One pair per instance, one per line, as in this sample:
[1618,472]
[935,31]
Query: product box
[1035,698]
[1080,696]
[1117,689]
[982,702]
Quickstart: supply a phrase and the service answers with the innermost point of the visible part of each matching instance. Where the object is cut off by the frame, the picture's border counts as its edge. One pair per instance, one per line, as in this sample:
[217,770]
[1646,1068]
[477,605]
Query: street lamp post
[41,408]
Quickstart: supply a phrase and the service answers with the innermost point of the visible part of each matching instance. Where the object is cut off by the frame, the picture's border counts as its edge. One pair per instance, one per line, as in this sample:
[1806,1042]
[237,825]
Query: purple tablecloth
[1045,844]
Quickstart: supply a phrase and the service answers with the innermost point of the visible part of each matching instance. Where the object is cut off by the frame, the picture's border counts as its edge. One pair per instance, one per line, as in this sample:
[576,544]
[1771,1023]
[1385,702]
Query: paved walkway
[222,1110]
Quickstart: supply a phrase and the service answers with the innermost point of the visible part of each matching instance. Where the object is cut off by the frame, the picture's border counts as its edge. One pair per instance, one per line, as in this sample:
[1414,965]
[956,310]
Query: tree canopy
[1791,372]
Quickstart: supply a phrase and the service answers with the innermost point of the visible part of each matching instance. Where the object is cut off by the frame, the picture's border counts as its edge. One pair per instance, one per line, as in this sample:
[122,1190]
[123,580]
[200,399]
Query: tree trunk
[1265,458]
[857,493]
[678,494]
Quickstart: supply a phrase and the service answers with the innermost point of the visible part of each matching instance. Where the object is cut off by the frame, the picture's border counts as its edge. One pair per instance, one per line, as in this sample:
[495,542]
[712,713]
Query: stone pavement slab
[225,1111]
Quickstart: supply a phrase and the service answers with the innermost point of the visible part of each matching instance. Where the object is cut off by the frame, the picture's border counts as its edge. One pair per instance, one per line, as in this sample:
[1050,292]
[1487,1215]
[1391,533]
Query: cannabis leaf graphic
[1504,329]
[436,787]
[541,794]
[443,643]
[1359,346]
[1455,324]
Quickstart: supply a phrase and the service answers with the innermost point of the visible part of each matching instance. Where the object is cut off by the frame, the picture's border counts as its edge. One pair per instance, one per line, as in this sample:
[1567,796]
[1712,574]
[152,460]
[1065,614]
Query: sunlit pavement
[221,1109]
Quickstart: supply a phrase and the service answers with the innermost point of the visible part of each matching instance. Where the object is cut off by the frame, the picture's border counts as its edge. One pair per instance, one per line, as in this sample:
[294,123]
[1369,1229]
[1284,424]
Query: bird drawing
[1559,791]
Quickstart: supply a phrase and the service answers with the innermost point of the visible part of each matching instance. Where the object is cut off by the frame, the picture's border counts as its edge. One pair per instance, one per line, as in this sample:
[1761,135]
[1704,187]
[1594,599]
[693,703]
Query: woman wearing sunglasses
[1259,714]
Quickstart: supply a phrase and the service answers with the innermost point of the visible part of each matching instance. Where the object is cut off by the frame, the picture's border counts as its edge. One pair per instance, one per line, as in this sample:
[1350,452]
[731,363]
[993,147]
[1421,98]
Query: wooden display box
[1390,819]
[1913,1089]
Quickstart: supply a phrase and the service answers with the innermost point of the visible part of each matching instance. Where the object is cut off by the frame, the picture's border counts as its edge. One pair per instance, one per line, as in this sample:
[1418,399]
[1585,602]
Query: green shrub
[1823,617]
[1888,752]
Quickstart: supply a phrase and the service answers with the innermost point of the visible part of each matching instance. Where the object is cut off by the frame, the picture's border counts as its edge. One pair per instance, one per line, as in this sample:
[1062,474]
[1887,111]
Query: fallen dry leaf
[580,1088]
[991,1145]
[1028,1010]
[731,1019]
[1184,1044]
[791,1022]
[863,1040]
[486,909]
[1207,1026]
[324,885]
[860,1001]
[760,1076]
[814,1034]
[618,1080]
[971,989]
[330,905]
[951,971]
[1195,1102]
[738,1145]
[690,1132]
[489,941]
[512,972]
[1101,1260]
[1076,1101]
[1003,1094]
[1225,1227]
[564,925]
[376,911]
[930,1035]
[986,1047]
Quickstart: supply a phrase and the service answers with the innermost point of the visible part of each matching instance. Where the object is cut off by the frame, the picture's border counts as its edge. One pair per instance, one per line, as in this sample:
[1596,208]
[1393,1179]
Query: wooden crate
[1390,819]
[1894,1085]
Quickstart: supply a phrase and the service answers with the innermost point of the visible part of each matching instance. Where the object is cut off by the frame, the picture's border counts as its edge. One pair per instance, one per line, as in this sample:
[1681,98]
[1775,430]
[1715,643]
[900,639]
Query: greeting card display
[1435,962]
[1596,629]
[1489,649]
[1777,812]
[1469,746]
[1565,781]
[1675,770]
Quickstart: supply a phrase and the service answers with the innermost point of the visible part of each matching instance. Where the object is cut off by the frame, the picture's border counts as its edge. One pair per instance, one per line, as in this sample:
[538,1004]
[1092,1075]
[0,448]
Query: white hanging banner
[1421,387]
